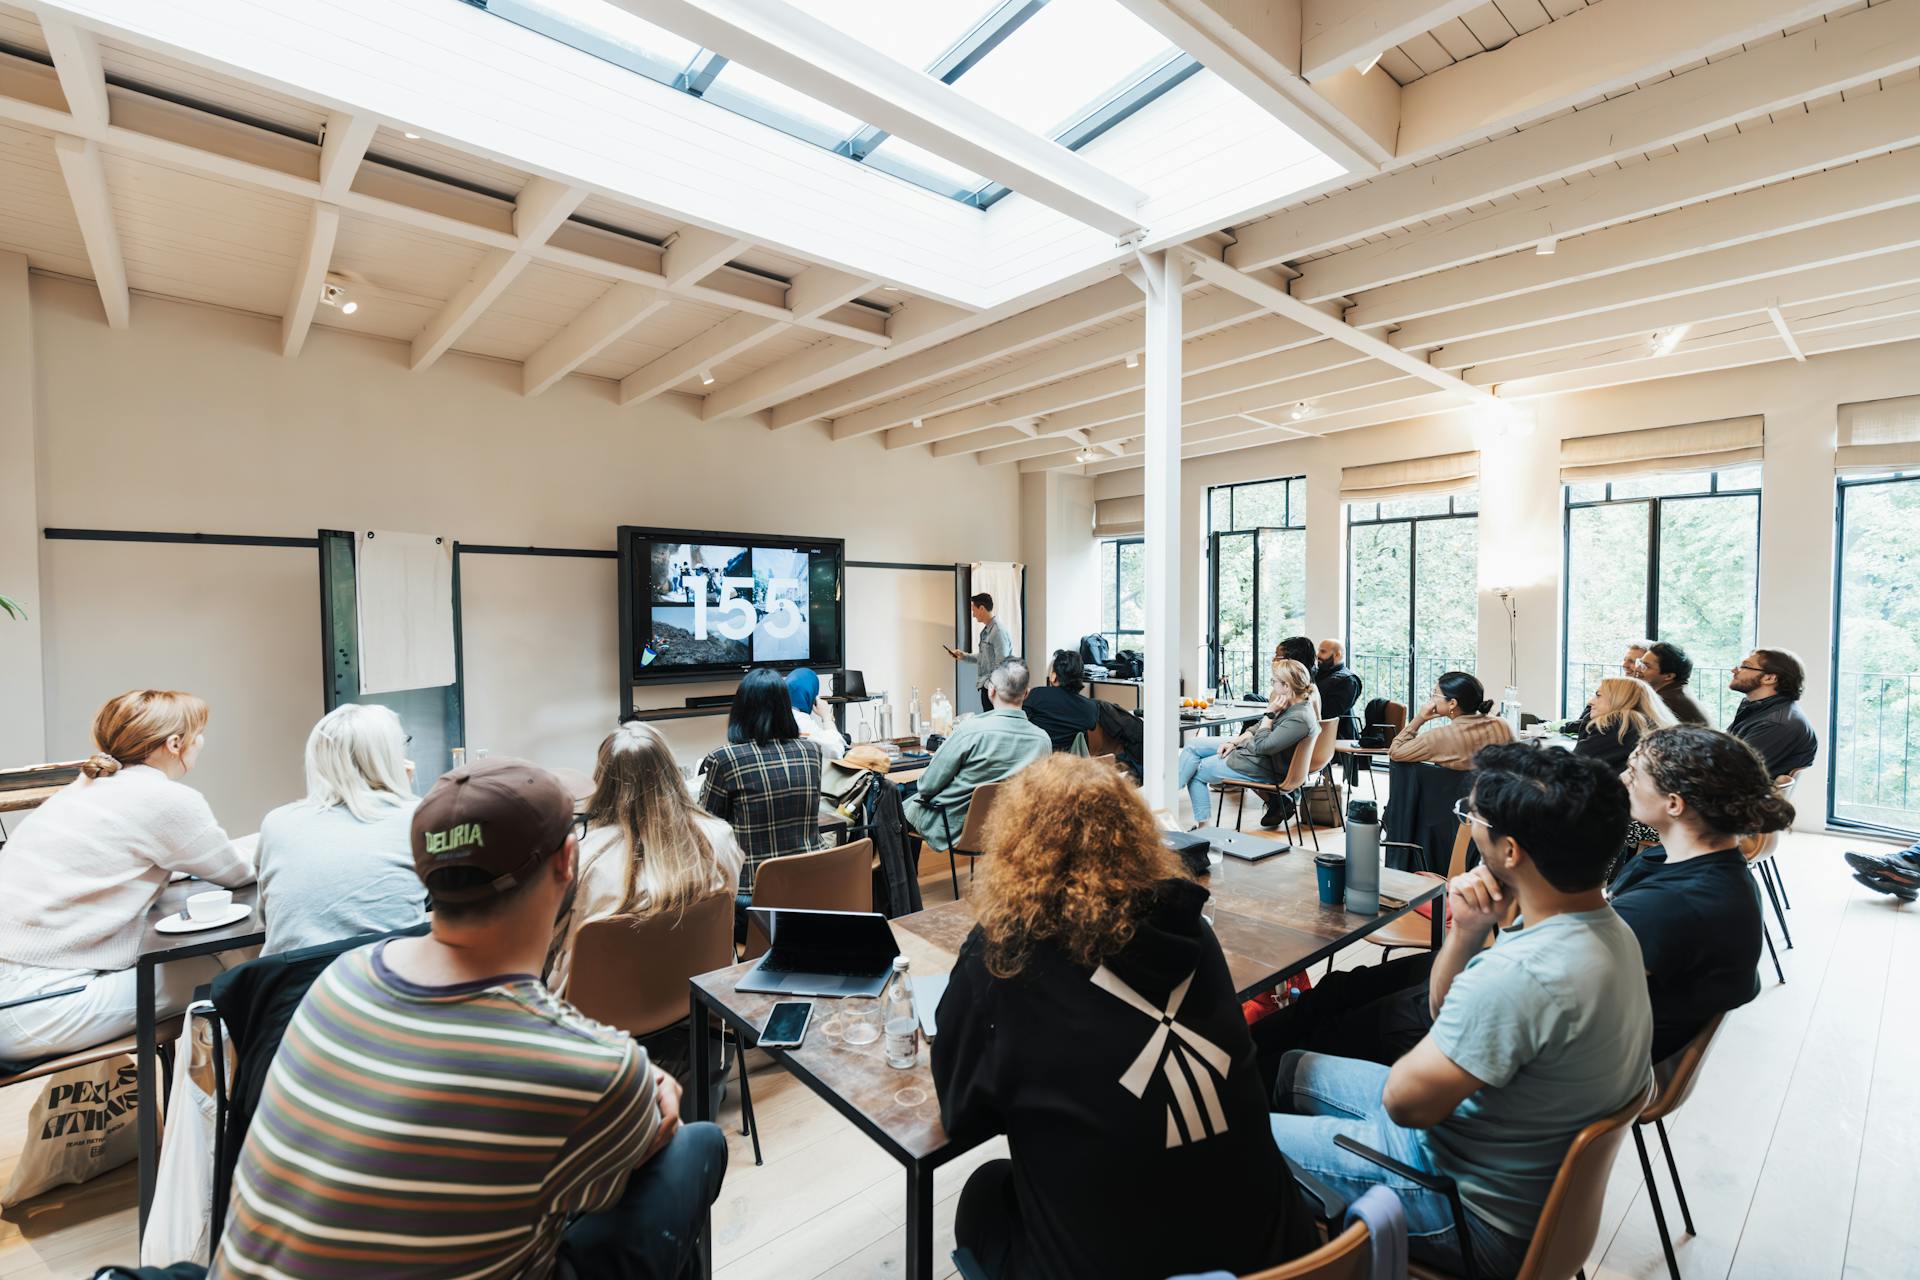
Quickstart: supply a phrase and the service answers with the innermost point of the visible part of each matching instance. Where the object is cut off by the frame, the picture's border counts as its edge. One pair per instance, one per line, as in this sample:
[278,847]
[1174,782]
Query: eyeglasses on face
[1464,812]
[1759,671]
[579,826]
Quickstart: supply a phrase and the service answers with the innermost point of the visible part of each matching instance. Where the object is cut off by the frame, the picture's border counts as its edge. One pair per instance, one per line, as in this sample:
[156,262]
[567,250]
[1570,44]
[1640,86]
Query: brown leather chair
[1396,717]
[1569,1221]
[971,842]
[165,1032]
[1415,930]
[1299,769]
[1673,1082]
[839,879]
[1345,1257]
[631,972]
[1759,851]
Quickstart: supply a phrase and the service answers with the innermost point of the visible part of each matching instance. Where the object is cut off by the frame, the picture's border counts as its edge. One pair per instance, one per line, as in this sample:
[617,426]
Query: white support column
[1161,277]
[22,705]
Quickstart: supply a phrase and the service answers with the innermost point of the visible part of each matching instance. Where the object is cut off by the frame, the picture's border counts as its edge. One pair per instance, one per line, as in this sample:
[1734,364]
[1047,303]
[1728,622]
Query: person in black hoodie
[1060,707]
[1091,1019]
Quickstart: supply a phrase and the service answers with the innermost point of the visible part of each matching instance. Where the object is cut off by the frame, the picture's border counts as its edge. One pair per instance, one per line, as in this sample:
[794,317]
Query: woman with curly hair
[1091,1019]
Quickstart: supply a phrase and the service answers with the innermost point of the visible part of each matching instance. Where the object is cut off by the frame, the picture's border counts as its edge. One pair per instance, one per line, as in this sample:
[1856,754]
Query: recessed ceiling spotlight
[411,137]
[1665,340]
[1133,359]
[1368,65]
[1300,411]
[335,295]
[706,377]
[1546,248]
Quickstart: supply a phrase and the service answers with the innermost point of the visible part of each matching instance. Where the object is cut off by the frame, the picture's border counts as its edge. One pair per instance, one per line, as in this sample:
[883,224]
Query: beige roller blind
[1440,474]
[1696,446]
[1879,435]
[1113,517]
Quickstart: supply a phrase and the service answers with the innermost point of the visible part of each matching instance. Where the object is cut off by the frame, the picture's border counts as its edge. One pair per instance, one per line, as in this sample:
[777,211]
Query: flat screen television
[697,605]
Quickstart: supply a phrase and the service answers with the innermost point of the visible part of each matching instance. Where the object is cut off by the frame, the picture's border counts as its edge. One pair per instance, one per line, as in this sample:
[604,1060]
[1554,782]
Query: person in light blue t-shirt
[1533,1039]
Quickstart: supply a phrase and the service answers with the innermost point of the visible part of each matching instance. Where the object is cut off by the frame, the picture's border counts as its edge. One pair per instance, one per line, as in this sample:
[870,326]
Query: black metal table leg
[147,1113]
[919,1222]
[1438,920]
[701,1045]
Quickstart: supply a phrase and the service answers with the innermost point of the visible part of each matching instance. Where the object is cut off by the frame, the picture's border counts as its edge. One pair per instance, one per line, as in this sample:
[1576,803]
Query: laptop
[822,953]
[1242,846]
[852,684]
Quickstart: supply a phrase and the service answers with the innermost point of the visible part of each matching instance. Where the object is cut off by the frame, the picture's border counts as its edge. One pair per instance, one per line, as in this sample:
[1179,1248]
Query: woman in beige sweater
[1460,705]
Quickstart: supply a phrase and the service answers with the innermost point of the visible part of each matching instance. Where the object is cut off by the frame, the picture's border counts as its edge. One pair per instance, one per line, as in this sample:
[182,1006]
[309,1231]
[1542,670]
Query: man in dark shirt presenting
[1770,720]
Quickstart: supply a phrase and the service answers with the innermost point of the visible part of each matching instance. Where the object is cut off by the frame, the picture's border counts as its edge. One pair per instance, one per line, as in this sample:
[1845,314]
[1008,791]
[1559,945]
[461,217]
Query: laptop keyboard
[819,964]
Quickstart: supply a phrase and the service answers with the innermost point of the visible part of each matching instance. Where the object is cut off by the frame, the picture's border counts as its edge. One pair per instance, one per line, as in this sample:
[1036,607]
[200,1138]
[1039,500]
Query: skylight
[1065,69]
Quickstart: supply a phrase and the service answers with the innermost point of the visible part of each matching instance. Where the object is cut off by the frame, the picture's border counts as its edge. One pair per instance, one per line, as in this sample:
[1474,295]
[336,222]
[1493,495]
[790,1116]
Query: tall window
[1257,556]
[1875,743]
[1670,557]
[1123,593]
[1413,568]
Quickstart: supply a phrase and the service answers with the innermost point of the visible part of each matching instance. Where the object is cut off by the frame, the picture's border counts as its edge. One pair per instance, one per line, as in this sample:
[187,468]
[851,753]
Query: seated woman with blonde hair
[1090,1018]
[1261,754]
[648,847]
[1621,711]
[84,869]
[340,862]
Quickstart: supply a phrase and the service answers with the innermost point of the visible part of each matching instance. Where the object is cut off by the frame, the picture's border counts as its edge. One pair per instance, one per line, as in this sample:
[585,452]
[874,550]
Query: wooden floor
[1800,1147]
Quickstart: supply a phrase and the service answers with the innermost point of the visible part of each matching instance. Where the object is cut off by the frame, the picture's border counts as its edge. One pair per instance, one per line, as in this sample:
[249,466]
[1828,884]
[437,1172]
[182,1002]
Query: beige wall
[1063,571]
[22,729]
[191,420]
[1520,523]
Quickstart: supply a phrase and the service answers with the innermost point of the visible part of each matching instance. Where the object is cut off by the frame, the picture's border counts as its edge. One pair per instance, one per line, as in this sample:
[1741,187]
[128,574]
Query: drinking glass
[859,1020]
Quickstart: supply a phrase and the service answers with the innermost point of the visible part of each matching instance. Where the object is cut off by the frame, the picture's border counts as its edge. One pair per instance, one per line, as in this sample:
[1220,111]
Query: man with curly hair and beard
[1091,1019]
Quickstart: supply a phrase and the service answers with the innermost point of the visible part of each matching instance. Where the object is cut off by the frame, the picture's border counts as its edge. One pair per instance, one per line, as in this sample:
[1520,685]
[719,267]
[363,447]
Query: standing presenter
[994,648]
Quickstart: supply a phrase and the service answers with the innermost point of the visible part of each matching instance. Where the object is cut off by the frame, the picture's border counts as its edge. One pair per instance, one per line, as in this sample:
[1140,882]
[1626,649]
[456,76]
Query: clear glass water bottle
[942,708]
[900,1018]
[913,714]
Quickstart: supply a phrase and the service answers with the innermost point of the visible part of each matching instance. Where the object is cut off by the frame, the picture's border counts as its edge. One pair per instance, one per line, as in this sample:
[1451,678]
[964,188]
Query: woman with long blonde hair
[1261,754]
[1621,711]
[648,847]
[84,869]
[1091,967]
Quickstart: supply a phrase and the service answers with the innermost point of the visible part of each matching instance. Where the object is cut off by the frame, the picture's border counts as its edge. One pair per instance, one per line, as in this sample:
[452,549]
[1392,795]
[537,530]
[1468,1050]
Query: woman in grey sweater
[1262,753]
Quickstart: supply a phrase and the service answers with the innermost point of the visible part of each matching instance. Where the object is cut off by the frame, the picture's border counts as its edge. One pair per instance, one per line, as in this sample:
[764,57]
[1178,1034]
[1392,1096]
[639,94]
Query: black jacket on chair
[1420,811]
[897,883]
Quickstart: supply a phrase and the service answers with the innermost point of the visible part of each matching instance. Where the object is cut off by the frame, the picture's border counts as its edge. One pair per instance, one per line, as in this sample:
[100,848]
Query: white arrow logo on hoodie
[1193,1050]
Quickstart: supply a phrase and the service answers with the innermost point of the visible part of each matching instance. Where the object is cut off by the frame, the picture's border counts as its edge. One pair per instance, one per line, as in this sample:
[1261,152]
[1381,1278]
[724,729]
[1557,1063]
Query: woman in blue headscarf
[811,715]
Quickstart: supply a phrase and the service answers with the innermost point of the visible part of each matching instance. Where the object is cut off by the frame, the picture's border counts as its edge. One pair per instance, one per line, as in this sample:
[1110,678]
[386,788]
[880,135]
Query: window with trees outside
[1413,572]
[1875,730]
[1123,594]
[1665,557]
[1257,580]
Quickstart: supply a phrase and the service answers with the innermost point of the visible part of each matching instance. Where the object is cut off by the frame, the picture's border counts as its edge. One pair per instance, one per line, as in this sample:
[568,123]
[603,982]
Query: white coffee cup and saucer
[212,909]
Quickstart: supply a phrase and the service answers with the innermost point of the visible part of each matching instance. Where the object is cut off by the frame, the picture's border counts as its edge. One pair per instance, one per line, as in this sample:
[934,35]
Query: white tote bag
[182,1213]
[81,1127]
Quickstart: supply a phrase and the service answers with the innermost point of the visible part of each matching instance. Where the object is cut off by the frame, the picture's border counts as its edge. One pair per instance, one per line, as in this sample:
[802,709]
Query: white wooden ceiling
[1760,187]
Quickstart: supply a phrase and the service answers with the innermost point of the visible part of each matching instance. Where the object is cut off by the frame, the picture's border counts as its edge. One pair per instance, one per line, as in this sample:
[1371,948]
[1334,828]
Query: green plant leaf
[12,608]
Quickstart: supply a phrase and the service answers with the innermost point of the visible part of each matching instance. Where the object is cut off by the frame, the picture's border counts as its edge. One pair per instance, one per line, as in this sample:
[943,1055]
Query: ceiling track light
[706,377]
[1664,341]
[1300,411]
[334,294]
[1086,455]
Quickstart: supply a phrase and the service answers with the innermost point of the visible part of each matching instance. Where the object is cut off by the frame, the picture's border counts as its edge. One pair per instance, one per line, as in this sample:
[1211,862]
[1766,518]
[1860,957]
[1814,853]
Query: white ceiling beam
[1276,299]
[615,312]
[1202,316]
[818,290]
[694,253]
[1810,285]
[83,81]
[1255,48]
[1252,352]
[1827,58]
[1597,50]
[309,278]
[93,210]
[720,343]
[1786,334]
[342,148]
[1882,182]
[1799,143]
[1338,34]
[1875,233]
[837,69]
[538,211]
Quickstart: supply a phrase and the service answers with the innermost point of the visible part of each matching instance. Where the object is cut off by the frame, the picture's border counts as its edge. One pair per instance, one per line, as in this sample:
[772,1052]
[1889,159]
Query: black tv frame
[626,538]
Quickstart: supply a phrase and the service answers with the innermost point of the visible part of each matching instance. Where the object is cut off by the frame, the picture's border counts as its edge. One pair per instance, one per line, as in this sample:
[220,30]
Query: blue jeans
[1201,764]
[1333,1096]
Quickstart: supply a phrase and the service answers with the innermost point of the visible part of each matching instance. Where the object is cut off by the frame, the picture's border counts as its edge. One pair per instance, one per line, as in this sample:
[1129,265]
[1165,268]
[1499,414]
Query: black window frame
[1111,547]
[1452,512]
[1653,502]
[1290,522]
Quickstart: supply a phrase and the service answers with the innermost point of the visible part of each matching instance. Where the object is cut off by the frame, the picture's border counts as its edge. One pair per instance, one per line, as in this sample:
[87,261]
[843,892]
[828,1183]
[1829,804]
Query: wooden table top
[1267,916]
[22,799]
[244,932]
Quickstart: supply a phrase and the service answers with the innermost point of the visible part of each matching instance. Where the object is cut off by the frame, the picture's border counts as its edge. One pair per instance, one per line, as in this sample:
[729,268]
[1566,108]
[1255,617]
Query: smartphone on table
[786,1026]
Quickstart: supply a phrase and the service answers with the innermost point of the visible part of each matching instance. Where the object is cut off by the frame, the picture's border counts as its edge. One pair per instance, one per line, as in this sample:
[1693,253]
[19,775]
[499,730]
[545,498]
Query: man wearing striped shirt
[434,1112]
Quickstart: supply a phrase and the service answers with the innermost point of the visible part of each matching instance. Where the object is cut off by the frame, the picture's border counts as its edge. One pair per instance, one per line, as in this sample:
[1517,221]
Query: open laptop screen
[828,941]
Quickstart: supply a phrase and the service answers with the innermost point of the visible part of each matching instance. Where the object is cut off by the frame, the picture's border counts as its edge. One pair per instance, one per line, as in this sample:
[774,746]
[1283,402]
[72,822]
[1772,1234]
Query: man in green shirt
[984,748]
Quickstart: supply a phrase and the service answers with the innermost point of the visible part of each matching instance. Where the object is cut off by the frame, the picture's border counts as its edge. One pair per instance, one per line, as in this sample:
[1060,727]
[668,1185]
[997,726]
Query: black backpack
[1093,649]
[1374,730]
[1127,665]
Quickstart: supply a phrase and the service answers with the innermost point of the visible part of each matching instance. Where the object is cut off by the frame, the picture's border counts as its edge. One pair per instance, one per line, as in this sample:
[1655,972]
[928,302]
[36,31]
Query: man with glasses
[1668,668]
[1770,720]
[1533,1038]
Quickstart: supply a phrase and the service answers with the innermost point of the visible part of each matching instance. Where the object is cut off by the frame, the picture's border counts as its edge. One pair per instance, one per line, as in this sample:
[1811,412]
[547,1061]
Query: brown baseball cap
[500,815]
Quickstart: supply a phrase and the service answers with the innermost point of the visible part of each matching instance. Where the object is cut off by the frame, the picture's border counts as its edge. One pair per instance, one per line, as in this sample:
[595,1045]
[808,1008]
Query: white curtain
[1442,473]
[1001,580]
[1695,446]
[1879,435]
[1117,517]
[404,584]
